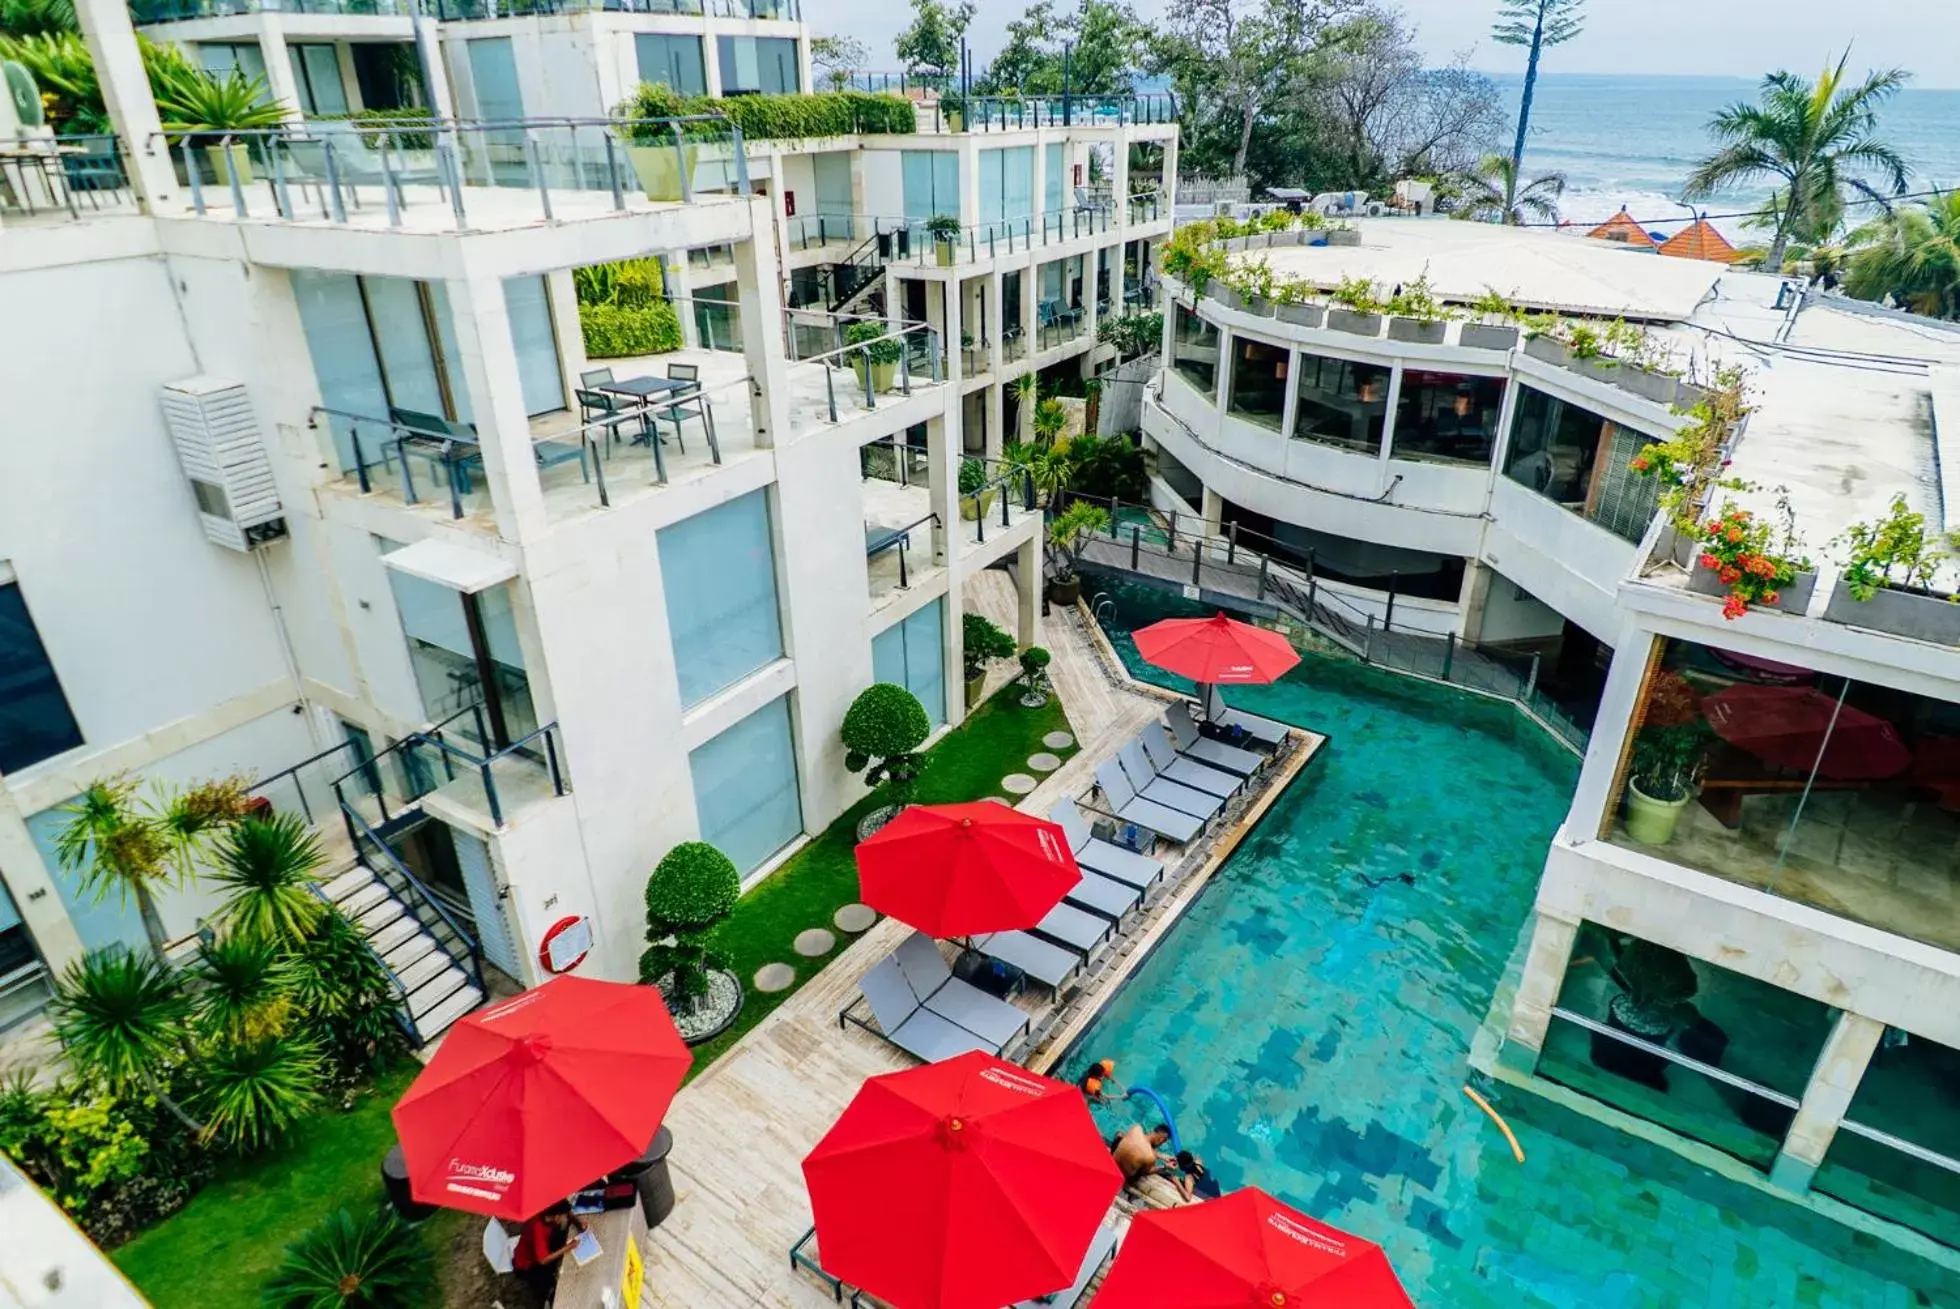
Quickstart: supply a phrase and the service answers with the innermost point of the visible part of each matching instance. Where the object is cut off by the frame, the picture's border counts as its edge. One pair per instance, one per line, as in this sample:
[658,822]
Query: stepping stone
[854,917]
[771,978]
[815,943]
[1058,740]
[997,800]
[1044,762]
[1018,784]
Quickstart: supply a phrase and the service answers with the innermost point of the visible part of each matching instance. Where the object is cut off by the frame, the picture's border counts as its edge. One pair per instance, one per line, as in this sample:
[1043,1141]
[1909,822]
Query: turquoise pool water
[1311,1031]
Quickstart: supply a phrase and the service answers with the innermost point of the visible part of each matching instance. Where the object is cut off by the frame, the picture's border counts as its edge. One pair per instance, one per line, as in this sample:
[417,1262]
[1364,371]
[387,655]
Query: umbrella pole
[1796,815]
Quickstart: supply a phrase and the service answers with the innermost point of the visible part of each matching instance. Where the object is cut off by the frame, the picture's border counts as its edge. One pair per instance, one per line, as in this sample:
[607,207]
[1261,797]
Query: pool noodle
[1163,1112]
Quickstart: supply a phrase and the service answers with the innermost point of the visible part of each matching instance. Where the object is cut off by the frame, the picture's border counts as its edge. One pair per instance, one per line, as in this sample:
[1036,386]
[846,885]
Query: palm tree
[375,1261]
[265,867]
[1912,254]
[244,989]
[1538,25]
[254,1092]
[1489,193]
[1817,139]
[120,1018]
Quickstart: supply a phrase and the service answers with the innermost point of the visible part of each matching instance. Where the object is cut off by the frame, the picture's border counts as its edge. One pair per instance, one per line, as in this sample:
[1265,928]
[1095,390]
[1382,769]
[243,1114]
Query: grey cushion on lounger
[1190,741]
[1044,961]
[1172,824]
[1164,757]
[909,1027]
[1104,895]
[926,972]
[1263,730]
[1161,789]
[1098,855]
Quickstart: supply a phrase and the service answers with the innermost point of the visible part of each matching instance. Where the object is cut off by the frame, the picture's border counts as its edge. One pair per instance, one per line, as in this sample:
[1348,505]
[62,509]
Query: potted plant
[1294,304]
[944,229]
[1494,328]
[883,730]
[1069,534]
[981,643]
[976,496]
[876,359]
[1344,234]
[1416,315]
[1655,985]
[1665,772]
[692,889]
[1034,676]
[953,109]
[203,108]
[1747,563]
[660,156]
[1357,307]
[1887,582]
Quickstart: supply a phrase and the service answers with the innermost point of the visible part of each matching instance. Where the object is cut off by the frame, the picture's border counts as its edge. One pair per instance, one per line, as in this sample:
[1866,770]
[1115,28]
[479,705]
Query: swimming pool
[1309,1021]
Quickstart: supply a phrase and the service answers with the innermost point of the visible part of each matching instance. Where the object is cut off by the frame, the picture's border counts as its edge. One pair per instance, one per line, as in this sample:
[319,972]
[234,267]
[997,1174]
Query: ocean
[1630,140]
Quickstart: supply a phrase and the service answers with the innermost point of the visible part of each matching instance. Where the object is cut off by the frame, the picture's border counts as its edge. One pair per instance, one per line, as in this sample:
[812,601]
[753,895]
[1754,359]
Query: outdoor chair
[1172,824]
[1046,963]
[453,446]
[1163,757]
[1104,896]
[1099,856]
[355,162]
[692,405]
[1101,1248]
[608,413]
[1146,782]
[1074,929]
[926,971]
[95,168]
[1194,744]
[902,1021]
[595,377]
[1262,730]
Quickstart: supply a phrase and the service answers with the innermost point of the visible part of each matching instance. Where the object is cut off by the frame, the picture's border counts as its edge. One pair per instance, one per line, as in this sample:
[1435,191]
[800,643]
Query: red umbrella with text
[1800,728]
[1216,650]
[1246,1251]
[966,1184]
[964,869]
[534,1097]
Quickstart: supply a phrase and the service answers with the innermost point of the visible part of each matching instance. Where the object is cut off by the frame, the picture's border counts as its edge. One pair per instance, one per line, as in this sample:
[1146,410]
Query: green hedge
[774,117]
[633,283]
[615,330]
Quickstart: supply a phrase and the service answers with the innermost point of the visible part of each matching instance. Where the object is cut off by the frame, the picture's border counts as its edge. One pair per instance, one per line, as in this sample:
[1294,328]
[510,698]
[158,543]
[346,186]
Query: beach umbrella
[966,1184]
[1787,726]
[529,1100]
[964,869]
[1243,1251]
[1216,650]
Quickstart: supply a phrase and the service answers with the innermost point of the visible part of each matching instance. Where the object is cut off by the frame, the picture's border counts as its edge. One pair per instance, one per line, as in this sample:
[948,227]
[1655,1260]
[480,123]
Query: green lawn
[218,1250]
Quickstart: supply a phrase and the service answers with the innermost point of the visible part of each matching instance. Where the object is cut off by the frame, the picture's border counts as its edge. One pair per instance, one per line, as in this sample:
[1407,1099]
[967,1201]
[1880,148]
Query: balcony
[903,538]
[1017,113]
[171,11]
[59,180]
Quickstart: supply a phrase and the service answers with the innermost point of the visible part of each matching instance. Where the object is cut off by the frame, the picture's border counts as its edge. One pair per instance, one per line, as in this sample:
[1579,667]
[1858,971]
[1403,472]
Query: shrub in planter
[1069,534]
[1656,985]
[373,1261]
[1887,579]
[1416,315]
[982,642]
[976,497]
[1357,307]
[883,730]
[944,229]
[693,887]
[1737,547]
[1034,671]
[876,361]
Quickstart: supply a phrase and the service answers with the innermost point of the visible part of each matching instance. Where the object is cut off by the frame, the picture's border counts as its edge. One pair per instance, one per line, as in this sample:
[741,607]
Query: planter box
[1485,336]
[225,159]
[1258,305]
[1661,388]
[943,251]
[1911,614]
[1302,315]
[1792,599]
[1346,320]
[1344,238]
[1234,244]
[1416,331]
[1598,369]
[1549,350]
[972,506]
[1687,395]
[1259,241]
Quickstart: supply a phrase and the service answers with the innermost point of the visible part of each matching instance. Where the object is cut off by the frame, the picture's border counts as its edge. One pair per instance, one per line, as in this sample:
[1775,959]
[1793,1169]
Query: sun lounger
[1097,855]
[906,1024]
[1101,1247]
[1104,895]
[1124,803]
[1144,778]
[804,1255]
[1163,756]
[1046,963]
[1190,741]
[1080,931]
[1263,730]
[925,970]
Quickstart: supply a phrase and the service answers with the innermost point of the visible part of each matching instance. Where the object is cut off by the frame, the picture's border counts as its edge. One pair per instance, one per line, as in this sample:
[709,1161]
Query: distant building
[1622,229]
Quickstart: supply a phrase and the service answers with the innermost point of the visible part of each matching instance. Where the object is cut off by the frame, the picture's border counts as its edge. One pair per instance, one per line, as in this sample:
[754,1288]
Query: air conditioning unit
[224,456]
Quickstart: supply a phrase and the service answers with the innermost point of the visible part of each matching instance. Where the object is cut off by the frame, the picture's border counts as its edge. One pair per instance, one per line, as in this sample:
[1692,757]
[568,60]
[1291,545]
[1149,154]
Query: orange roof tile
[1622,229]
[1699,241]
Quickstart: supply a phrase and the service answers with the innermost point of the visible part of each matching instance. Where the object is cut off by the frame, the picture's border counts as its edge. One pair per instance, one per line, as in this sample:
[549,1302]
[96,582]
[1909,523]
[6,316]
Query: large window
[1194,350]
[673,60]
[912,654]
[1447,417]
[316,76]
[35,721]
[1052,181]
[1584,462]
[527,302]
[23,979]
[1259,381]
[1006,197]
[720,573]
[745,787]
[1342,403]
[100,921]
[758,63]
[931,183]
[448,673]
[226,57]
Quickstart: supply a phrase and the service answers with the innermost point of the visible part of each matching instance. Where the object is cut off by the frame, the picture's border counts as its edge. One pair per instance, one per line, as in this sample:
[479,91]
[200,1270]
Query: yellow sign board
[635,1274]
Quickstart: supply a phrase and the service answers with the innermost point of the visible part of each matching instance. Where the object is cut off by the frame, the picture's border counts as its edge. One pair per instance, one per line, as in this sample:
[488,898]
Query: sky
[1742,38]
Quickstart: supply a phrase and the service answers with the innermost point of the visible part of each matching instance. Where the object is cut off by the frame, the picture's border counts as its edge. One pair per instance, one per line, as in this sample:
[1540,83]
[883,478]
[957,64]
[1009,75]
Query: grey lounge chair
[925,970]
[1101,1247]
[1190,741]
[1104,895]
[907,1025]
[1263,730]
[1083,932]
[1097,855]
[1043,961]
[1171,824]
[1177,795]
[1163,756]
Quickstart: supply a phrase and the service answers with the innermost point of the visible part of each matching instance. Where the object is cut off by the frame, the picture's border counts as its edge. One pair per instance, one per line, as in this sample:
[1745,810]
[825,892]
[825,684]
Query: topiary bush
[883,730]
[982,642]
[1034,662]
[375,1261]
[693,887]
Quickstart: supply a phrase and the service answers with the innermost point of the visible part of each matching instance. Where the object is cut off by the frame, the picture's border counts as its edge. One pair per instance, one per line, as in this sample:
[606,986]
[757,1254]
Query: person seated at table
[543,1245]
[1098,1081]
[1203,1184]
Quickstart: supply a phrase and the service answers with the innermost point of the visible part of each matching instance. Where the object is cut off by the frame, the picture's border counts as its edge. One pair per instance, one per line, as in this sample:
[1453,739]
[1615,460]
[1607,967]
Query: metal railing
[421,753]
[72,176]
[468,10]
[1006,483]
[421,904]
[899,540]
[1010,113]
[320,770]
[168,11]
[891,459]
[918,354]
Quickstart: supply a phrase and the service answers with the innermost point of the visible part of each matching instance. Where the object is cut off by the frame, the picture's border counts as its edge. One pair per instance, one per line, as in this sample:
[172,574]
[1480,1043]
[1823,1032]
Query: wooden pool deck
[742,1128]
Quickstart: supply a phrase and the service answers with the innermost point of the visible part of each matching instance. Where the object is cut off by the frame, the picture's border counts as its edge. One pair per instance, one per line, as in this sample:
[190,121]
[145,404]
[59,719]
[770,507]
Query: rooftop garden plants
[1891,578]
[623,310]
[877,358]
[765,117]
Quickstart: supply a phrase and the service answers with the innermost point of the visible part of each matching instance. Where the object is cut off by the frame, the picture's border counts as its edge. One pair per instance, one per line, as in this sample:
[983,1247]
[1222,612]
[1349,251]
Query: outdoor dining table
[649,391]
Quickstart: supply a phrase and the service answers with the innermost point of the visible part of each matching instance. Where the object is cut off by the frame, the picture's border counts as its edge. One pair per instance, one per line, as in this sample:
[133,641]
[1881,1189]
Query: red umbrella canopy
[963,869]
[1785,725]
[1216,650]
[533,1098]
[1244,1251]
[966,1184]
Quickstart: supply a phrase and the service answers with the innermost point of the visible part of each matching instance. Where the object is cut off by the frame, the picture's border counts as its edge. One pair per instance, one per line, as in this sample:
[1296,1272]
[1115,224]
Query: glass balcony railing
[475,10]
[170,11]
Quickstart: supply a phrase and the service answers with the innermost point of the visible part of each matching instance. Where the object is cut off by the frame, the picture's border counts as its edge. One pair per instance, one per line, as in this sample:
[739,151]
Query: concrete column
[711,57]
[1833,1081]
[1027,567]
[350,81]
[1531,1009]
[489,360]
[758,284]
[1212,507]
[125,87]
[1472,599]
[679,280]
[278,62]
[1597,795]
[562,293]
[1119,184]
[32,889]
[1167,202]
[441,96]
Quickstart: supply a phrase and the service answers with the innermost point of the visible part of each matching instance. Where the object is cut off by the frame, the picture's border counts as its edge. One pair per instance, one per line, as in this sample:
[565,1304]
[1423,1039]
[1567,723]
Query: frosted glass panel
[529,305]
[402,339]
[1017,182]
[833,172]
[910,654]
[674,60]
[932,182]
[720,573]
[493,77]
[1052,180]
[452,358]
[990,192]
[344,365]
[745,787]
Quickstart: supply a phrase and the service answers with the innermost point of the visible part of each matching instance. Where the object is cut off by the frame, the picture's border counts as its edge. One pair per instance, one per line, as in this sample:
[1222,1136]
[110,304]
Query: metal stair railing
[416,899]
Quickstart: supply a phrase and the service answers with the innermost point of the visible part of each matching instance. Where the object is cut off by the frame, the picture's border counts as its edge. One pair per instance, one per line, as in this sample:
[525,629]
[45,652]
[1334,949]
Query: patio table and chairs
[455,447]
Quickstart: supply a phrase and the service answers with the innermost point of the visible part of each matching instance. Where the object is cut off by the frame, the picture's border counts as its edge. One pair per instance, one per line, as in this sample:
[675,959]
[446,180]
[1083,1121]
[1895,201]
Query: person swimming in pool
[1197,1178]
[1098,1083]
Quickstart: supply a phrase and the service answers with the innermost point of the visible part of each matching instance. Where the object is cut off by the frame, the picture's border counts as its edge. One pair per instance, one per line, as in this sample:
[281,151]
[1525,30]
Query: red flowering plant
[1751,558]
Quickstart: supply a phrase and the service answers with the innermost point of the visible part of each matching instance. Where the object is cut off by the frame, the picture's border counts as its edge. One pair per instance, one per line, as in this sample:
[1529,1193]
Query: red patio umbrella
[966,1184]
[1216,650]
[1245,1251]
[1784,726]
[531,1099]
[963,869]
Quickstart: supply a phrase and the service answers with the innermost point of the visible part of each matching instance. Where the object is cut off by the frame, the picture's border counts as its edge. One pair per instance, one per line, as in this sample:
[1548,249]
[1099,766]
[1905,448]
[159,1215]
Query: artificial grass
[966,764]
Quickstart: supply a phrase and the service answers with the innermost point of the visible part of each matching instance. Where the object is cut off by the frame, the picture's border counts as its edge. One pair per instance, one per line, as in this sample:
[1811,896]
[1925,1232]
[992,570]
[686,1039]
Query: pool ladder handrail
[1102,608]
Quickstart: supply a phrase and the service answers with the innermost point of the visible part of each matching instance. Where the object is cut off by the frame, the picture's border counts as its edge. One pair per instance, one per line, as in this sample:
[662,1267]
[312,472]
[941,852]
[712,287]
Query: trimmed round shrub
[885,720]
[692,886]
